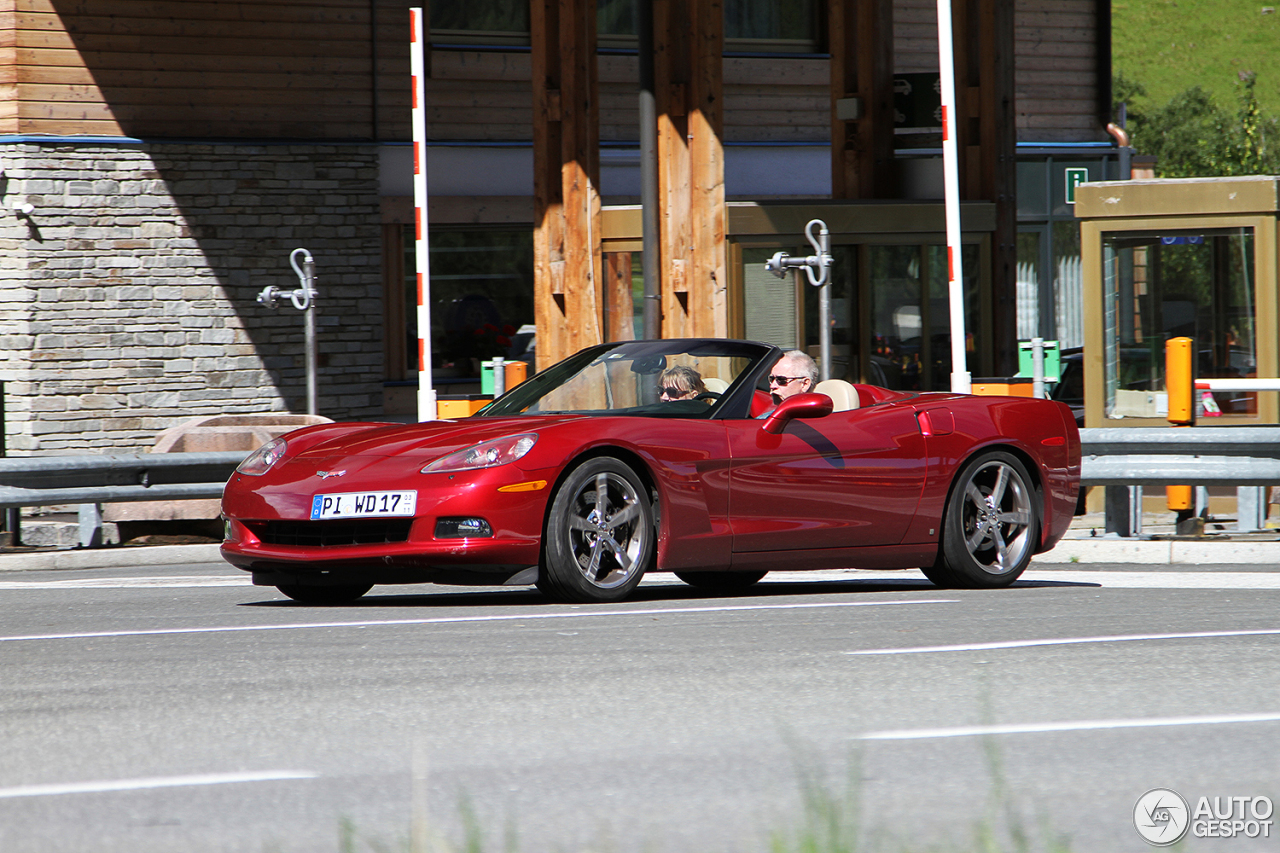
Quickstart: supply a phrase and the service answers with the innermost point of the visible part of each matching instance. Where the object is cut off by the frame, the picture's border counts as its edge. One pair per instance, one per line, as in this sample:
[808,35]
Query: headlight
[260,461]
[486,454]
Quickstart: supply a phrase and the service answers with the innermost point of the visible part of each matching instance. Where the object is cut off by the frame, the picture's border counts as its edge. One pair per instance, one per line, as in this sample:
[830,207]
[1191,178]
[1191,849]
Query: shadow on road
[435,596]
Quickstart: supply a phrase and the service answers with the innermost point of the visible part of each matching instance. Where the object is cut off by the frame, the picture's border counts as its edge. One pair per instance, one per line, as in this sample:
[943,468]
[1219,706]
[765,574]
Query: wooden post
[708,264]
[987,138]
[861,35]
[619,311]
[689,89]
[566,178]
[671,77]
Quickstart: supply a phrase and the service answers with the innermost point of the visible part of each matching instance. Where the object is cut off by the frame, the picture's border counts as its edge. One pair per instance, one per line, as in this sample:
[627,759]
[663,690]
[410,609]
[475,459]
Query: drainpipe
[1121,137]
[648,172]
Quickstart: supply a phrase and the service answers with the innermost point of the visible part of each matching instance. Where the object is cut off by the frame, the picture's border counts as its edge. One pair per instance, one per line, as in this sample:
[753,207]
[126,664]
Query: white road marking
[173,582]
[1170,579]
[1062,641]
[452,620]
[1161,580]
[1079,726]
[154,782]
[1156,579]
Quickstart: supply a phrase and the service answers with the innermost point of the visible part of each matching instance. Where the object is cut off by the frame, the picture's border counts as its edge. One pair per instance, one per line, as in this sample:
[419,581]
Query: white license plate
[363,504]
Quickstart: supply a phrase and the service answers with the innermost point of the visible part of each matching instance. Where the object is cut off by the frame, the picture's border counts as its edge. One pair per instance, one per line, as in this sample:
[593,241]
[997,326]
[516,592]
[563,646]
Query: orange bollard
[1180,385]
[1179,498]
[1179,382]
[516,372]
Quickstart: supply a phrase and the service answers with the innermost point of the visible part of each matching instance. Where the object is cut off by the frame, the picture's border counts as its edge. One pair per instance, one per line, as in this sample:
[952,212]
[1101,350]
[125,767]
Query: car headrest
[843,395]
[714,385]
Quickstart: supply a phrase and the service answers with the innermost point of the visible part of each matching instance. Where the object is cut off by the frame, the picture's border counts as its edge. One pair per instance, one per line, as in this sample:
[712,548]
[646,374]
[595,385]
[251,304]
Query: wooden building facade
[173,153]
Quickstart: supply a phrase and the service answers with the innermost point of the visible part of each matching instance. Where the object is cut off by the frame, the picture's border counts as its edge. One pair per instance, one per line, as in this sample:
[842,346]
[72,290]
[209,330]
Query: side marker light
[531,486]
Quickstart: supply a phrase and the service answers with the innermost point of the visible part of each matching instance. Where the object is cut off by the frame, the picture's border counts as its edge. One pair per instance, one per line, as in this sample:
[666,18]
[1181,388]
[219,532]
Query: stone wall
[128,293]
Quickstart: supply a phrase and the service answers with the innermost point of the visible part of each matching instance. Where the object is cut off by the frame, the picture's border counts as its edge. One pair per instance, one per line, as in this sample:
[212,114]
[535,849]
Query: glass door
[910,315]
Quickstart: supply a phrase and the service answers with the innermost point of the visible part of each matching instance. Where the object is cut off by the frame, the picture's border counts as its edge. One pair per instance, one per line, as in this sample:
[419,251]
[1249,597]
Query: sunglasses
[668,391]
[783,380]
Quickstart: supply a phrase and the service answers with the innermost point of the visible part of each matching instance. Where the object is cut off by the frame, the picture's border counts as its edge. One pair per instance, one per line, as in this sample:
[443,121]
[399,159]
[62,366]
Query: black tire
[309,594]
[721,581]
[991,525]
[600,535]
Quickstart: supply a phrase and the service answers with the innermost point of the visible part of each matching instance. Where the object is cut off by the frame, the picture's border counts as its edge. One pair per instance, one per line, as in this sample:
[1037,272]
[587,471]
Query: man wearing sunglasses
[794,373]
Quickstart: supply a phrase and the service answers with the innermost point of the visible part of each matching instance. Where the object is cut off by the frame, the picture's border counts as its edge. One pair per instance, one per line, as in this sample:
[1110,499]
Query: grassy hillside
[1168,46]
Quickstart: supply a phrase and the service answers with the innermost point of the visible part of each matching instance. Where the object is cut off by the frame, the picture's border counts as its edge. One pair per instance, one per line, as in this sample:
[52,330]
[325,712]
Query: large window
[1194,284]
[1049,283]
[892,330]
[750,25]
[769,304]
[911,316]
[481,300]
[845,362]
[480,21]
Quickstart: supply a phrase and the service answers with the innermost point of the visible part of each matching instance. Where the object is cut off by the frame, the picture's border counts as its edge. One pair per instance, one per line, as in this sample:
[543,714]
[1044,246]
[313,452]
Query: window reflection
[911,316]
[766,25]
[481,300]
[1195,284]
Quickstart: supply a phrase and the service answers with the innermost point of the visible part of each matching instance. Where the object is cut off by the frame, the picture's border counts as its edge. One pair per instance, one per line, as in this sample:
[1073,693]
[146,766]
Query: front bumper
[270,533]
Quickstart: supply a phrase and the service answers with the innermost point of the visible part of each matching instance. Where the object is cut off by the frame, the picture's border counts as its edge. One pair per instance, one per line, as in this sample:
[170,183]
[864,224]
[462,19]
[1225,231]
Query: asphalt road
[177,708]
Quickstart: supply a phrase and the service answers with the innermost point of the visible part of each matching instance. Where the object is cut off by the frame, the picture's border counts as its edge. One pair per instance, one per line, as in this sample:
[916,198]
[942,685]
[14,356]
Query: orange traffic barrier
[1180,385]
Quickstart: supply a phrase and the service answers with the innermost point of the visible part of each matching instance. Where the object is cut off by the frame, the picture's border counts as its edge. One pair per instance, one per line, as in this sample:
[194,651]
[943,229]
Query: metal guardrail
[54,480]
[1191,456]
[1125,460]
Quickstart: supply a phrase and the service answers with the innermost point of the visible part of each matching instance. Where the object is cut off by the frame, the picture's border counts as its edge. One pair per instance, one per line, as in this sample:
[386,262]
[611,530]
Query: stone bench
[207,435]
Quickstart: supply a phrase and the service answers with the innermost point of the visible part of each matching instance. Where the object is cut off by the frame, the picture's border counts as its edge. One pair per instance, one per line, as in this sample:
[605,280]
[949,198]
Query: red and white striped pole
[417,68]
[961,382]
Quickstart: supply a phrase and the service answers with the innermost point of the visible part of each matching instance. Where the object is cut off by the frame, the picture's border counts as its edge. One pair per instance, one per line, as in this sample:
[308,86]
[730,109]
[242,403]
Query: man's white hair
[806,363]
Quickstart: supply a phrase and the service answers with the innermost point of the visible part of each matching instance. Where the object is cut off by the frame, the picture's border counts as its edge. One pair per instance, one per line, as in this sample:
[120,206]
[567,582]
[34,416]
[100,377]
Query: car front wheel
[599,537]
[990,527]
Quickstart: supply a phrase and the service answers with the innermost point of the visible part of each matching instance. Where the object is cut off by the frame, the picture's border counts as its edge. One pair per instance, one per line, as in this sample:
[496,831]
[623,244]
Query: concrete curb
[1080,551]
[110,558]
[1163,552]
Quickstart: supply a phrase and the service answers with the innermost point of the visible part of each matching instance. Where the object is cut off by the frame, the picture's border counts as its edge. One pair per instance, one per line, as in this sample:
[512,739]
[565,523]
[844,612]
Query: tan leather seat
[843,395]
[714,385]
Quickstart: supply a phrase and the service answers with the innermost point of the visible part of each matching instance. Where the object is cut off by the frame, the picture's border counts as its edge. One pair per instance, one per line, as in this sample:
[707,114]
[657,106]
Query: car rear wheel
[990,527]
[309,594]
[721,581]
[600,536]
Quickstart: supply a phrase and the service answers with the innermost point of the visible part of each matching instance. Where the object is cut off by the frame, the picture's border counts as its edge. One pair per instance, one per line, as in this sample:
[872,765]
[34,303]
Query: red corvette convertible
[589,475]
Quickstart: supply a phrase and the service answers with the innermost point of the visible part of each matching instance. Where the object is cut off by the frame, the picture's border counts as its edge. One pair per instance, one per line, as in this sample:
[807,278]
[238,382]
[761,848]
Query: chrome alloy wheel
[996,517]
[607,530]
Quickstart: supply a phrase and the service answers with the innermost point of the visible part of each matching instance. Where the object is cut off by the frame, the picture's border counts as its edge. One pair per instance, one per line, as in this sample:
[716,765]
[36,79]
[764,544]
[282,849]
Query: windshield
[668,378]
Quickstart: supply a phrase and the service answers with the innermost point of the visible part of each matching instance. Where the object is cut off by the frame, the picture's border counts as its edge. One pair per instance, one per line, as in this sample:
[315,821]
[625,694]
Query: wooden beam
[861,36]
[708,264]
[9,123]
[566,164]
[619,311]
[987,139]
[689,90]
[671,75]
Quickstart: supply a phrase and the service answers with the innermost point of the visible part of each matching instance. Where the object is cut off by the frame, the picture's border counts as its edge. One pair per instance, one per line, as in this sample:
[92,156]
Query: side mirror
[799,406]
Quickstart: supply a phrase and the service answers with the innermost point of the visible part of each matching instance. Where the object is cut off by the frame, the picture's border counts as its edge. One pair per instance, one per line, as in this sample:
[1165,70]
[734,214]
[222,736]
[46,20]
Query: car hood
[424,441]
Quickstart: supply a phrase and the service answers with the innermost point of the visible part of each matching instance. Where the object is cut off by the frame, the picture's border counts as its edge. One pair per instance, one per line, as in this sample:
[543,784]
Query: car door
[848,479]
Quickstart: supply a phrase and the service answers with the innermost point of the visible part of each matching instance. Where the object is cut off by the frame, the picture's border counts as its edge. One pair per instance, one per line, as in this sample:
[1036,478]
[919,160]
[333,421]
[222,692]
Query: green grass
[1169,46]
[830,821]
